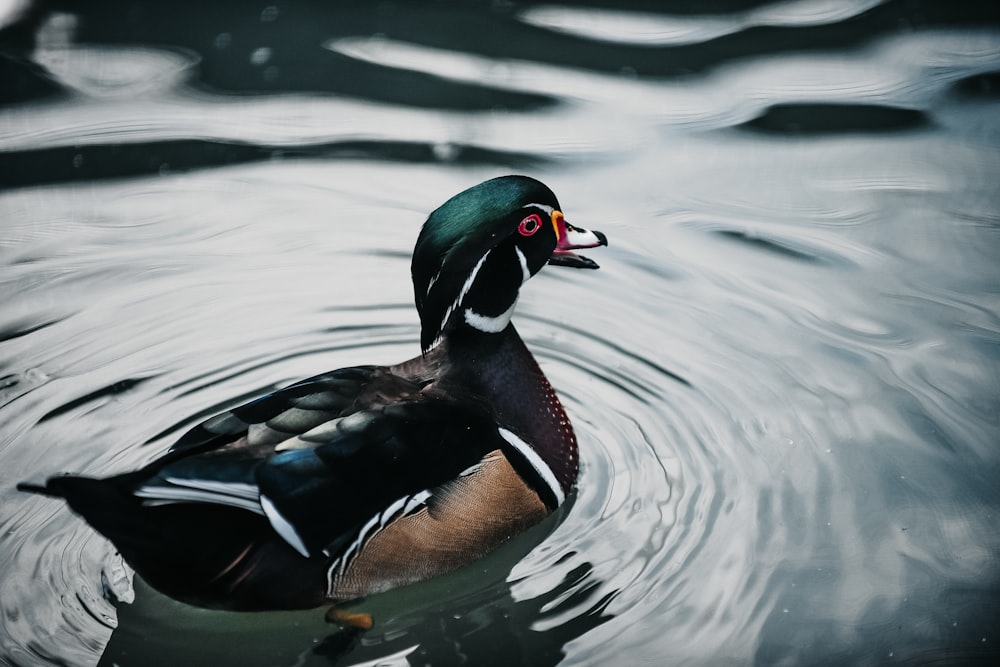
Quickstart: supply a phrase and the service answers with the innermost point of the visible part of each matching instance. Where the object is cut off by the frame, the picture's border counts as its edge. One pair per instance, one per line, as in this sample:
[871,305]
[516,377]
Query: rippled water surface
[784,377]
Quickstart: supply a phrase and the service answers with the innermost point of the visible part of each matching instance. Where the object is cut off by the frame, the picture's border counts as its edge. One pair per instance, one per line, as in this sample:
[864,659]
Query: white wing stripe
[282,527]
[155,496]
[525,273]
[237,489]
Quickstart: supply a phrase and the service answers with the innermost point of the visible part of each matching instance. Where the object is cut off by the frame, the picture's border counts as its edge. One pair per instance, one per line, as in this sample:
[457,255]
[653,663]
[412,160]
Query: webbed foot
[350,619]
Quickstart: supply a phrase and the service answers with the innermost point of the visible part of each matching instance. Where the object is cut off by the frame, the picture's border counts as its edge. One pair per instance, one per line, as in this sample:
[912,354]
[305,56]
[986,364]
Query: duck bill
[572,238]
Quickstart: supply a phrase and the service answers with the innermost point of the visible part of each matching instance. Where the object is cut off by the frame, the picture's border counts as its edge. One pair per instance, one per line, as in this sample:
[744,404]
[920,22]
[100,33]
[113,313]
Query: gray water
[784,378]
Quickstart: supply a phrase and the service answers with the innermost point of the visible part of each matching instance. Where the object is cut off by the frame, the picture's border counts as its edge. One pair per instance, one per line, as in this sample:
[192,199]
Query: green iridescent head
[477,249]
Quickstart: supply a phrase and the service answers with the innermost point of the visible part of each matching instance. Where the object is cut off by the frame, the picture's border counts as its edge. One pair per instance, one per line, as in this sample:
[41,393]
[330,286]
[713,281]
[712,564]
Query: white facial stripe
[465,290]
[431,282]
[536,462]
[525,273]
[488,324]
[543,207]
[282,527]
[485,323]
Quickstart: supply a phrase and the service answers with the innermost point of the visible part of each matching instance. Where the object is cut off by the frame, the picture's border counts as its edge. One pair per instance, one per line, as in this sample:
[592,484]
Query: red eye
[530,225]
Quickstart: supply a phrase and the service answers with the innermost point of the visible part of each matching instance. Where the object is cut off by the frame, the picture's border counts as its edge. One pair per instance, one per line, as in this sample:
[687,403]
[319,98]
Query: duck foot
[350,619]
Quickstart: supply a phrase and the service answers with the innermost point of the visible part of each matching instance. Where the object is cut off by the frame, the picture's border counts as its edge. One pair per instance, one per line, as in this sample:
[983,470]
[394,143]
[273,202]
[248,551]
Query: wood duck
[363,479]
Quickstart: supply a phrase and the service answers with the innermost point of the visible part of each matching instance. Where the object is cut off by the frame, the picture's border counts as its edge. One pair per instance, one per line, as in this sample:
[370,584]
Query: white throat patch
[488,324]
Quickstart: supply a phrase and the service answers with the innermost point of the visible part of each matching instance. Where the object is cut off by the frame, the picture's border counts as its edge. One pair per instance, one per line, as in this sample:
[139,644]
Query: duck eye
[530,225]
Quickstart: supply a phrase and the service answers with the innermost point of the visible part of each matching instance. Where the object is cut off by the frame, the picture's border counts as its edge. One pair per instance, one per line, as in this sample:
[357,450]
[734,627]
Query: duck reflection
[477,616]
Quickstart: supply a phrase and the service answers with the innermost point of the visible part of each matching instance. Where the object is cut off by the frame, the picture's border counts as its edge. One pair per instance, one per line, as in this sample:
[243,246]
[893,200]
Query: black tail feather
[209,555]
[38,489]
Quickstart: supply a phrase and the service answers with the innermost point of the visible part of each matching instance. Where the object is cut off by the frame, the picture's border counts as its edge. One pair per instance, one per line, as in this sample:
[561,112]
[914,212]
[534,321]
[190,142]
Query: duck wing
[318,488]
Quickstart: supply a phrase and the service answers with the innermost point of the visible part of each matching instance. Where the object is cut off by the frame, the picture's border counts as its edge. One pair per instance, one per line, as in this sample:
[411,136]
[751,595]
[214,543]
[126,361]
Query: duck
[368,478]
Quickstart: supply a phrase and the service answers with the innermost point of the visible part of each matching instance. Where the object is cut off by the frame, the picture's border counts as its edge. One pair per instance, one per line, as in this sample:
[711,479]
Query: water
[784,378]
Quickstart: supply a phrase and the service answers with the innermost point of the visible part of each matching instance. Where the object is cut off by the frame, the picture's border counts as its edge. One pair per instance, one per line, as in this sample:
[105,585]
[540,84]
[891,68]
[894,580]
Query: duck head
[478,248]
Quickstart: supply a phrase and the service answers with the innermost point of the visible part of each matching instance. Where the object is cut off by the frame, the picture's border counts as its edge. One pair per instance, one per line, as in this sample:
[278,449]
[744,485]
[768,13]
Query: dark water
[785,377]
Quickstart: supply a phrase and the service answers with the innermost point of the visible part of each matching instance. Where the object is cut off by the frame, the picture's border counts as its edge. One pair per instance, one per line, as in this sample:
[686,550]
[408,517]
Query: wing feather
[322,457]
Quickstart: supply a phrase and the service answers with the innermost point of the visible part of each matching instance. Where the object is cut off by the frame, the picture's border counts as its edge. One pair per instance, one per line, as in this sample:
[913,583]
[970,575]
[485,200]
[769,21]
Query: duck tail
[38,489]
[104,503]
[204,554]
[108,507]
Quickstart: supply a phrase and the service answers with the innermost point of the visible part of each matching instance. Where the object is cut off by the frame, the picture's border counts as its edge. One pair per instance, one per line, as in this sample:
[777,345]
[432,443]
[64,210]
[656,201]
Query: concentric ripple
[783,377]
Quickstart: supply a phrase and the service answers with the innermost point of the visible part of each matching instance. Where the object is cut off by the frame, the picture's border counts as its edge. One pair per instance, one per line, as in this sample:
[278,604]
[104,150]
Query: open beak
[572,238]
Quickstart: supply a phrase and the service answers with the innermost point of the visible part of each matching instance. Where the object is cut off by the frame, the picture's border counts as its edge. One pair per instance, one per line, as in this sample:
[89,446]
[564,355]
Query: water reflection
[651,29]
[471,617]
[783,379]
